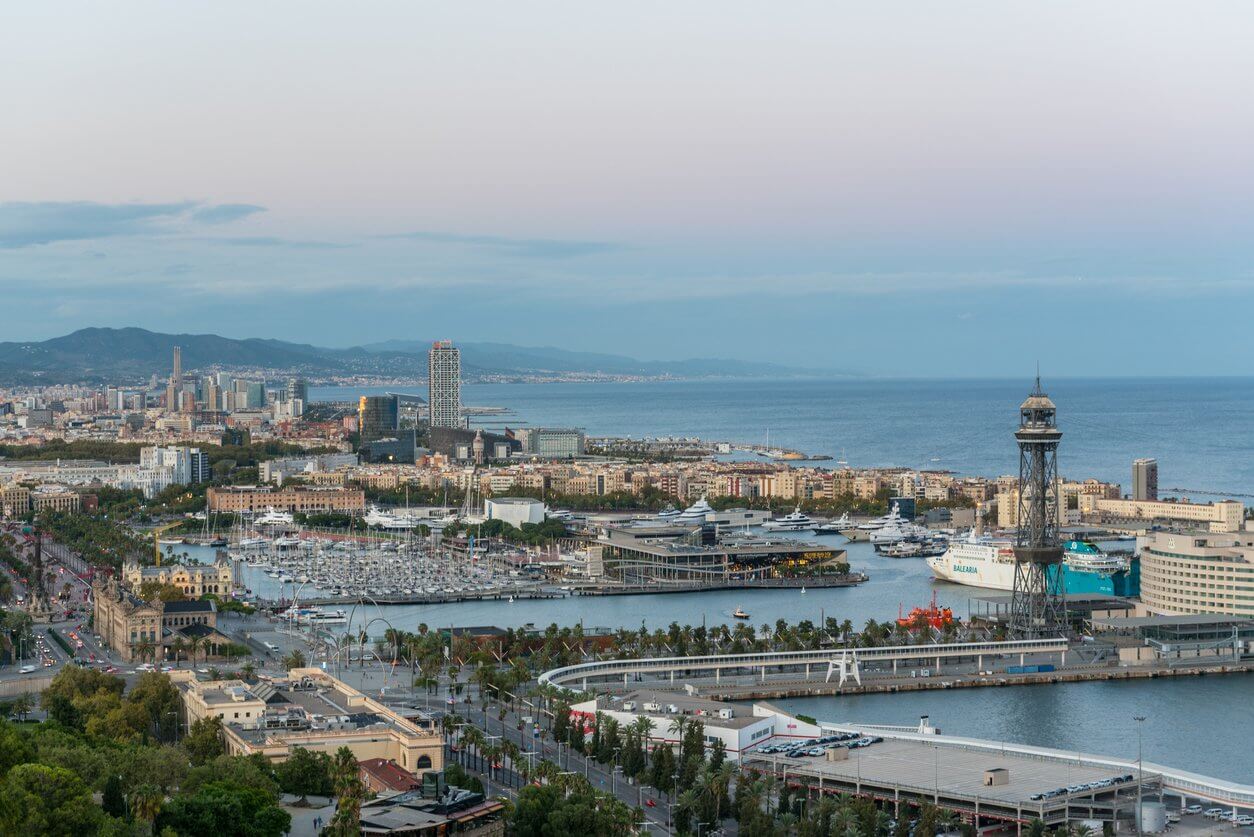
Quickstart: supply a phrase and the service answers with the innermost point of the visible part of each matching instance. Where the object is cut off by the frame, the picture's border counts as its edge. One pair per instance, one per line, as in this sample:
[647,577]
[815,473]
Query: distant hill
[123,354]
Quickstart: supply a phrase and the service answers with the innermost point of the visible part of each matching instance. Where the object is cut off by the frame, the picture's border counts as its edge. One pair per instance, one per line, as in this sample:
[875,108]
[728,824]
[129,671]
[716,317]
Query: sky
[895,188]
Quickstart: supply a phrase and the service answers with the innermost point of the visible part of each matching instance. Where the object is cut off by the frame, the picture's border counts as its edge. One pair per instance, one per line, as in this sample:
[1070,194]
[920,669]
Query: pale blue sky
[897,187]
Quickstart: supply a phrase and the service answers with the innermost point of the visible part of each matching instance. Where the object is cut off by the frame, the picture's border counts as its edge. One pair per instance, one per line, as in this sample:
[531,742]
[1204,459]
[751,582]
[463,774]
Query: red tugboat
[932,615]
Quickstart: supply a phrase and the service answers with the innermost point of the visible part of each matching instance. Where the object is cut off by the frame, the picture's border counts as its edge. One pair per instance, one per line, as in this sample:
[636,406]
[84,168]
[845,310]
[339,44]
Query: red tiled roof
[389,774]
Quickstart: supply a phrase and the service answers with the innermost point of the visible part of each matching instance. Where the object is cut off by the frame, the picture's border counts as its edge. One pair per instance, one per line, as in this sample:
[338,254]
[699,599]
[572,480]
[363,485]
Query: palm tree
[193,644]
[247,670]
[178,646]
[145,650]
[146,802]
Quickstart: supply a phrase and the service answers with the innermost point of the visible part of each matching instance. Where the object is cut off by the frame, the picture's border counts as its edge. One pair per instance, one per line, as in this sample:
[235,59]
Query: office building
[378,417]
[175,387]
[445,389]
[187,465]
[1145,479]
[297,395]
[551,442]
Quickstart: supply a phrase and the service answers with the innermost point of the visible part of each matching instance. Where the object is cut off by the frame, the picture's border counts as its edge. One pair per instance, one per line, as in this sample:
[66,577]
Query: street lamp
[1140,769]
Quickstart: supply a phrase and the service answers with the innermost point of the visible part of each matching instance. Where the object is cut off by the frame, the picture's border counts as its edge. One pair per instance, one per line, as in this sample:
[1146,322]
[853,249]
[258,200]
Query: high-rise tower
[444,388]
[174,389]
[1038,607]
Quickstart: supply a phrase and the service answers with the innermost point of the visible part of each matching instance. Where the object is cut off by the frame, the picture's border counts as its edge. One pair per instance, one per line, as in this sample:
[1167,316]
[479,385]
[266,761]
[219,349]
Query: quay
[817,581]
[504,593]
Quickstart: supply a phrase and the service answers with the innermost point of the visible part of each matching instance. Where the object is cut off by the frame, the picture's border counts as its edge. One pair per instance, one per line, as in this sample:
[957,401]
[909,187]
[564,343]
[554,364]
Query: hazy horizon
[905,189]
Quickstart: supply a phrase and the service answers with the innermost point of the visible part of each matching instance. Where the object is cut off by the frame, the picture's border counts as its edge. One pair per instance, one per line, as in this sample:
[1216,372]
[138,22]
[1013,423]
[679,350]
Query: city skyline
[709,184]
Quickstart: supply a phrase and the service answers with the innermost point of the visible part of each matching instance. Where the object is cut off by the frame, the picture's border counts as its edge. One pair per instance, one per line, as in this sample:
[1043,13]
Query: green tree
[224,809]
[52,801]
[305,772]
[203,741]
[348,794]
[296,659]
[15,747]
[112,800]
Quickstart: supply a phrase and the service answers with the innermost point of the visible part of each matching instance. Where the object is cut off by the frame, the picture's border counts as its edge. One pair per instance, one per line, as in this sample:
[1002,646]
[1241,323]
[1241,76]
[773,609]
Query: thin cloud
[272,241]
[531,248]
[225,213]
[27,224]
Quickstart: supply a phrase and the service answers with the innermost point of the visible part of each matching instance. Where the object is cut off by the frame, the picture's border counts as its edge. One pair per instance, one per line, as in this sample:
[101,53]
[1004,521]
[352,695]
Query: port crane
[157,531]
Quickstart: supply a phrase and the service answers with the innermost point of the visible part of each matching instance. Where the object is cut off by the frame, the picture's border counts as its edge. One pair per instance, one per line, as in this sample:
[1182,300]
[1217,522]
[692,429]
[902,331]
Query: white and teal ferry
[985,561]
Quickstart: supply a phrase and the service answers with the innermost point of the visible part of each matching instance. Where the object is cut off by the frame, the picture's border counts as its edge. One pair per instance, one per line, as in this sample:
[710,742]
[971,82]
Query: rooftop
[699,708]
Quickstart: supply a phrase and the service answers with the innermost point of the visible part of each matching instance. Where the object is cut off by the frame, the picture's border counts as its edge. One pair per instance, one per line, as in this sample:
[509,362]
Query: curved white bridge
[846,662]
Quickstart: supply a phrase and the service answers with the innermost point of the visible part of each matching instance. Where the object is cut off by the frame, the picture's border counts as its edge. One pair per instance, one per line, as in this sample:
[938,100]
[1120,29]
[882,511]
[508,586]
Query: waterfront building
[654,556]
[1221,516]
[738,727]
[234,499]
[309,709]
[1145,479]
[1198,572]
[378,417]
[129,625]
[514,510]
[551,442]
[193,580]
[444,384]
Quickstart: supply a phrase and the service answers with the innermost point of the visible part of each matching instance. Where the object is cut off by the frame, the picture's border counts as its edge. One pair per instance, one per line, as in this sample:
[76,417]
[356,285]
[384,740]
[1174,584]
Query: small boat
[739,613]
[803,591]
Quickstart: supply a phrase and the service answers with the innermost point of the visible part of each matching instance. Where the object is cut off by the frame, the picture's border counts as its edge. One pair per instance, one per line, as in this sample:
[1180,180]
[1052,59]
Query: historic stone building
[133,627]
[193,580]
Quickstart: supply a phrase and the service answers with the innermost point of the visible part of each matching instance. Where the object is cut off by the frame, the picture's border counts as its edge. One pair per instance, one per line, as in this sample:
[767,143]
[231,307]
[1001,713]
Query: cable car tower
[1038,607]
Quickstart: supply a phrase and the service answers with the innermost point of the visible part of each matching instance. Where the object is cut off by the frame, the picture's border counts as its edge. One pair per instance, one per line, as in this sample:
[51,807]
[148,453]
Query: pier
[816,582]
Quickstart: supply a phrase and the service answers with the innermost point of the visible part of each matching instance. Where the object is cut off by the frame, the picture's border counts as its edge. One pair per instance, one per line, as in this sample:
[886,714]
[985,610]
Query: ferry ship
[980,561]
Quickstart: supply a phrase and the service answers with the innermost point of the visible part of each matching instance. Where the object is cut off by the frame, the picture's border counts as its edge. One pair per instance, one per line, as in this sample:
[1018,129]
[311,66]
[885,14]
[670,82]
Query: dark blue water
[1198,429]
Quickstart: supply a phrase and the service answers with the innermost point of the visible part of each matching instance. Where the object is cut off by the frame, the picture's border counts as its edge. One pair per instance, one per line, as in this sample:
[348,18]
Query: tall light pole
[1140,769]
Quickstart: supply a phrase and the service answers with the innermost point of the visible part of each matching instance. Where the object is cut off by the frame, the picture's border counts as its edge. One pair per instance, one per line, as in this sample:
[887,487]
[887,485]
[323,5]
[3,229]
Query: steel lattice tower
[1038,607]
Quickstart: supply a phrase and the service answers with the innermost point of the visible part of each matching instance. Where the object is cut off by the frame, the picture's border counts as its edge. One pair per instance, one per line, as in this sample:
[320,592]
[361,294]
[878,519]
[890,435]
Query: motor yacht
[794,522]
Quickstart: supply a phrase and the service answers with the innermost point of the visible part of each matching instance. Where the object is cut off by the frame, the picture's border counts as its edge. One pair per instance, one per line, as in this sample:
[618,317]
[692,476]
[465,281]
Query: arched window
[423,761]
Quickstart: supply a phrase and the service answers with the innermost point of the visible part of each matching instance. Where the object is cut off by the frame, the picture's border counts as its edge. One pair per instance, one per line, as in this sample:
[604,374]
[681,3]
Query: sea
[1199,430]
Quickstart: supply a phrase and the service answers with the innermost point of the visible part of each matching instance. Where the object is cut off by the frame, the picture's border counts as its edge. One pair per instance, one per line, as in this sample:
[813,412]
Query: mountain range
[117,355]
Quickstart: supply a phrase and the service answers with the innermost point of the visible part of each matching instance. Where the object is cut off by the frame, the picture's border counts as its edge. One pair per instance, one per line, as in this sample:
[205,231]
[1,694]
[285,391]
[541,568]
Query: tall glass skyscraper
[378,417]
[445,388]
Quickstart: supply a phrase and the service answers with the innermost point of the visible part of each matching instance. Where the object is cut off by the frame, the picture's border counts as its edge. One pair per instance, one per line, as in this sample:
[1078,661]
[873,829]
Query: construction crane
[157,532]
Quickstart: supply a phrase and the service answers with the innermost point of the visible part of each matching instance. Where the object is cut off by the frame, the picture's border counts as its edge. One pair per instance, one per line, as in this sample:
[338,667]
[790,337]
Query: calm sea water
[1199,430]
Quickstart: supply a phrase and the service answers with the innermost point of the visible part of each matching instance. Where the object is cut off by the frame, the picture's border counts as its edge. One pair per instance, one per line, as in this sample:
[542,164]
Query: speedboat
[739,613]
[794,522]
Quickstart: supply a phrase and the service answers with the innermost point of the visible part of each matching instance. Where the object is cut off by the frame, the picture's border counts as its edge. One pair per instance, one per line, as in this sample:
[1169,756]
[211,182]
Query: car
[649,803]
[1191,809]
[1212,813]
[1244,820]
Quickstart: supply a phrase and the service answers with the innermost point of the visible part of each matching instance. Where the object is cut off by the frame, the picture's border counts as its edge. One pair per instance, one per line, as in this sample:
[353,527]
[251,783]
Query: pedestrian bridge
[843,662]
